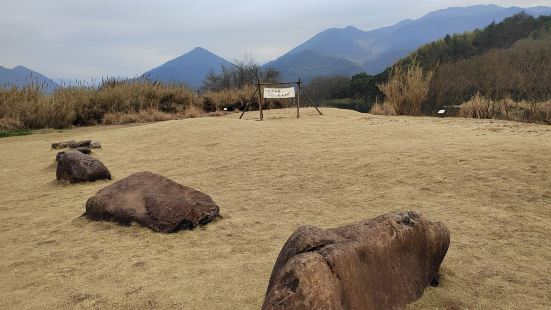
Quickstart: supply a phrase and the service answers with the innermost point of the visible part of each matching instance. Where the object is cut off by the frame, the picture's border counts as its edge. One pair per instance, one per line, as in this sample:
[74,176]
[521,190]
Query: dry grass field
[488,181]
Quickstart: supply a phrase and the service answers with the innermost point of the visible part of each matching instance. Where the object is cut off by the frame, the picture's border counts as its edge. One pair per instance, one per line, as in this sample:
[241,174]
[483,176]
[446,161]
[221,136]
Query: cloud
[80,39]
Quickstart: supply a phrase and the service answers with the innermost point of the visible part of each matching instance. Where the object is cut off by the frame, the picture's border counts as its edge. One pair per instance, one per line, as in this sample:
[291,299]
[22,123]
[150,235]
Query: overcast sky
[84,38]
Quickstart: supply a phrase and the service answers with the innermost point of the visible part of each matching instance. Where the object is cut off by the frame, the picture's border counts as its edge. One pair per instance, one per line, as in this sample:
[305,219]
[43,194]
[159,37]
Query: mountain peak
[465,10]
[351,28]
[199,49]
[21,68]
[21,76]
[191,68]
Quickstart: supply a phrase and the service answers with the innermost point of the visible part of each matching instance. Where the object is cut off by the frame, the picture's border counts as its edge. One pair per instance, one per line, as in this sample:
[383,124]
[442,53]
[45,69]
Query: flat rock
[95,145]
[75,167]
[84,143]
[152,201]
[381,263]
[63,145]
[74,144]
[84,150]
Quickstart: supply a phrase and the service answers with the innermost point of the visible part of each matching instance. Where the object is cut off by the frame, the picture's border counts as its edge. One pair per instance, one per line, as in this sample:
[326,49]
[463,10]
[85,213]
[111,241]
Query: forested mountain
[496,35]
[510,59]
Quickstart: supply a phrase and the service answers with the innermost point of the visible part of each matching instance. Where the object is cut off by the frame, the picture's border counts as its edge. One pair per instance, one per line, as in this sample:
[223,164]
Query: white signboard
[279,92]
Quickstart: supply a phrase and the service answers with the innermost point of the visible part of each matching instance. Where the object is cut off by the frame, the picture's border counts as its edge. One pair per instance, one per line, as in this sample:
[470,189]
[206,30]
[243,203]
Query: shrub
[478,107]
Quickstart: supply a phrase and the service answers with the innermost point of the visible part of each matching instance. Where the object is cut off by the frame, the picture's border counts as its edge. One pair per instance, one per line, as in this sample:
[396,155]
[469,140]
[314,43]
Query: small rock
[95,145]
[84,143]
[63,145]
[74,167]
[59,145]
[84,150]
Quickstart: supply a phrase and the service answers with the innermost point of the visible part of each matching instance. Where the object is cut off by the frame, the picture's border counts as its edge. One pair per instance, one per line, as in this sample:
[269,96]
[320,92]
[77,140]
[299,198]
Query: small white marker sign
[441,111]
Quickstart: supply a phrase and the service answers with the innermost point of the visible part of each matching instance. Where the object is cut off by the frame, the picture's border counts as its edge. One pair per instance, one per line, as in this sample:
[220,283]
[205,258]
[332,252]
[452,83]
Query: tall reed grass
[406,91]
[237,98]
[30,108]
[118,102]
[483,107]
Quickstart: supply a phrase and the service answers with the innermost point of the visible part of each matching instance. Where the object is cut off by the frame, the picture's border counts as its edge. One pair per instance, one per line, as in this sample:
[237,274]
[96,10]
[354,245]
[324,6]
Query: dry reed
[484,108]
[406,90]
[113,102]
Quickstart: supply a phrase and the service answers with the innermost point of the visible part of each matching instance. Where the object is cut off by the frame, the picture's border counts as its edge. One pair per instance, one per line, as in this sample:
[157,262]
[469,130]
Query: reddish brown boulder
[153,201]
[76,167]
[382,263]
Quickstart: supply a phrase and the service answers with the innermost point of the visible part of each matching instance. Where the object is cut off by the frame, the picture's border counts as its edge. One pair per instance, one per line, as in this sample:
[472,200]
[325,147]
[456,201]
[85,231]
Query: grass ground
[488,181]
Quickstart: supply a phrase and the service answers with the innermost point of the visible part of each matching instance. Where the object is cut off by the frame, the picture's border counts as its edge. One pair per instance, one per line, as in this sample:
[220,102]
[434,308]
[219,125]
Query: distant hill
[21,76]
[191,68]
[351,50]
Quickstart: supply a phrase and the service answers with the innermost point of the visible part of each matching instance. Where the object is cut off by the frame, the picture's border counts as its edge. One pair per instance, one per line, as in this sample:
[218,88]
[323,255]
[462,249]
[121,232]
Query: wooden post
[260,101]
[298,98]
[313,103]
[247,105]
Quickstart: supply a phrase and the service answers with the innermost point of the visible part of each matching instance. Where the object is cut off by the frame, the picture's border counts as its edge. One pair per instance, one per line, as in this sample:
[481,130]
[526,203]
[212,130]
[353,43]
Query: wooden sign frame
[260,97]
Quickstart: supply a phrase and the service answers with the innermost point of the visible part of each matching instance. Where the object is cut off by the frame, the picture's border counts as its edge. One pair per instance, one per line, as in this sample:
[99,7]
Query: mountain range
[21,76]
[372,51]
[342,51]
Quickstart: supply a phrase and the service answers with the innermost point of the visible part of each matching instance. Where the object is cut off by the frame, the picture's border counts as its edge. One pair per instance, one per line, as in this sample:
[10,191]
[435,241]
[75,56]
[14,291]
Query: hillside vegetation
[505,65]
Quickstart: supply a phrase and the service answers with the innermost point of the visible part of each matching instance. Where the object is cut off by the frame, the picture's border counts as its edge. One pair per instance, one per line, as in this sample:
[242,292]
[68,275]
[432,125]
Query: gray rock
[95,145]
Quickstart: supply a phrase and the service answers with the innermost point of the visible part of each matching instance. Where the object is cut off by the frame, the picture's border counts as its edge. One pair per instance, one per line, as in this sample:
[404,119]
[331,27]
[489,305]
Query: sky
[94,38]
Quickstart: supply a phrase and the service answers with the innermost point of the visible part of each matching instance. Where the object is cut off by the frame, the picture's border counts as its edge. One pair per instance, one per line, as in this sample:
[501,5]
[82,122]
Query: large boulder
[382,263]
[153,201]
[76,167]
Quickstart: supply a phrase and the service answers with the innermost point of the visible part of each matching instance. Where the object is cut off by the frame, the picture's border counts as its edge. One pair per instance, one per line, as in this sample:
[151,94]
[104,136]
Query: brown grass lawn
[488,181]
